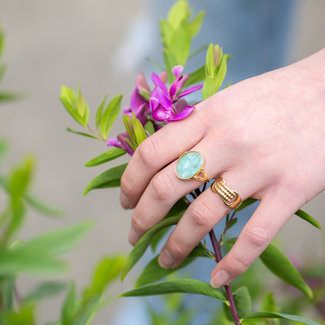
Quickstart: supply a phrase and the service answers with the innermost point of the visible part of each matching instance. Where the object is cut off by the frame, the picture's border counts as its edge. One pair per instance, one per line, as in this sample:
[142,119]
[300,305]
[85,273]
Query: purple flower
[166,104]
[120,142]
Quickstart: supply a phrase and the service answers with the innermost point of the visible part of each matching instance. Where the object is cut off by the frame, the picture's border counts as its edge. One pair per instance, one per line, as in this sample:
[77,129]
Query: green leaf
[24,316]
[40,206]
[110,114]
[3,149]
[196,76]
[7,287]
[69,306]
[81,133]
[139,132]
[58,241]
[16,219]
[82,107]
[153,272]
[149,128]
[305,216]
[280,265]
[109,178]
[3,69]
[209,88]
[105,157]
[69,100]
[209,65]
[129,129]
[243,303]
[179,12]
[8,96]
[180,286]
[21,176]
[268,303]
[2,41]
[266,315]
[196,23]
[107,270]
[45,290]
[85,314]
[141,246]
[99,112]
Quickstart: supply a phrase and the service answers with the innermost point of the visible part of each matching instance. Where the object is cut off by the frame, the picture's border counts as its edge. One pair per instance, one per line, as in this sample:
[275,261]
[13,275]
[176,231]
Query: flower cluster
[159,106]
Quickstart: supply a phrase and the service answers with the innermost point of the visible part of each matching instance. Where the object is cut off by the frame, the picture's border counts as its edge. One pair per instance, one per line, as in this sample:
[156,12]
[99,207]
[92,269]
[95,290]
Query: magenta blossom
[166,104]
[120,142]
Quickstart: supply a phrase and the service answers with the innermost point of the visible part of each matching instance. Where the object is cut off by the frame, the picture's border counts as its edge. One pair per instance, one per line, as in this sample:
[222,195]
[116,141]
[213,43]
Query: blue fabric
[256,33]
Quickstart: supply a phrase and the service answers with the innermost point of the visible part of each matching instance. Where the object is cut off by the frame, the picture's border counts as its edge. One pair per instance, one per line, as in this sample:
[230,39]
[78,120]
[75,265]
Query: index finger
[157,151]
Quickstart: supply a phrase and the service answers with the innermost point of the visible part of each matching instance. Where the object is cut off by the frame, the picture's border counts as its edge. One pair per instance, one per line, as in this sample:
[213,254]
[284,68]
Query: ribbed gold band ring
[230,197]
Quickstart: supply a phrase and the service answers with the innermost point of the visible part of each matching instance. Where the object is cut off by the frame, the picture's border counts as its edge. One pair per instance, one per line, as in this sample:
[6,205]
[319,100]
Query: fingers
[268,219]
[201,216]
[165,189]
[154,153]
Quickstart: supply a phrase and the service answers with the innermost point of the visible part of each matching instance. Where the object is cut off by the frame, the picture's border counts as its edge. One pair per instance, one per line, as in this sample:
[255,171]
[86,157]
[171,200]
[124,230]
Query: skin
[265,136]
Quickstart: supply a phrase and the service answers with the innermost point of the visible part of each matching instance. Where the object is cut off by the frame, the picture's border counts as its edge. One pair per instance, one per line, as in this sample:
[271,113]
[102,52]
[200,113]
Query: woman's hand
[265,136]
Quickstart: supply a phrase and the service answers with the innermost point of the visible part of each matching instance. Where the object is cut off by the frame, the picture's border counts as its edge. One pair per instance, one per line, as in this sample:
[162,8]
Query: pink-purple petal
[141,83]
[115,142]
[158,82]
[189,91]
[186,112]
[163,115]
[177,71]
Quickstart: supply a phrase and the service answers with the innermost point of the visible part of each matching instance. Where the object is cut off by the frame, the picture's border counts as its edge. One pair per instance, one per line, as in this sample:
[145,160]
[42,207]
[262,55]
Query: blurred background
[101,45]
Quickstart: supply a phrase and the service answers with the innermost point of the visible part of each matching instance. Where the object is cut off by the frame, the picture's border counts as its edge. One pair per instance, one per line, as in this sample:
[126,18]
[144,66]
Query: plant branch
[217,250]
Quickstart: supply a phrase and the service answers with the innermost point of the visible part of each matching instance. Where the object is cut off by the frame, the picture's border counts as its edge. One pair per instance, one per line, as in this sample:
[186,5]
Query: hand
[265,136]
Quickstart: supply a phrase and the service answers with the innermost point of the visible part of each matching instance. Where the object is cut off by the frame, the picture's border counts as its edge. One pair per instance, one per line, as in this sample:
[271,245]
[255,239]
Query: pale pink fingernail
[133,237]
[219,279]
[165,259]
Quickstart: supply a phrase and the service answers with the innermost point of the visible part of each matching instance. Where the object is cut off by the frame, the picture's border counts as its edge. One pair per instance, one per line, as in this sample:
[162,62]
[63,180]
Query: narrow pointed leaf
[196,76]
[143,243]
[154,272]
[3,149]
[81,133]
[105,157]
[243,302]
[99,112]
[140,134]
[45,290]
[196,23]
[41,206]
[305,216]
[110,178]
[267,315]
[281,266]
[110,115]
[177,286]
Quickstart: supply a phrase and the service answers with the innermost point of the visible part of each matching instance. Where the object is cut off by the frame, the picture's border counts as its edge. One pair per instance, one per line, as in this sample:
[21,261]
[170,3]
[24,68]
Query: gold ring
[190,165]
[230,198]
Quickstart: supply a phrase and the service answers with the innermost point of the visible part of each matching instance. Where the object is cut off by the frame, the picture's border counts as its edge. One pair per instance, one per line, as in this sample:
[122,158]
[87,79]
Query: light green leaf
[3,69]
[105,157]
[24,316]
[266,315]
[209,88]
[141,246]
[139,132]
[7,287]
[209,65]
[179,12]
[58,241]
[82,107]
[243,303]
[280,265]
[69,101]
[40,206]
[2,38]
[130,131]
[305,216]
[110,114]
[81,133]
[109,178]
[44,290]
[149,128]
[16,219]
[3,149]
[196,23]
[180,286]
[69,306]
[99,112]
[107,270]
[8,96]
[153,272]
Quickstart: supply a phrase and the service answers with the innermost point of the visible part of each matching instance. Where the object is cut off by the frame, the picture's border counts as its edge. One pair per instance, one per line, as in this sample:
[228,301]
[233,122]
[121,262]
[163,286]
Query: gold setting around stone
[230,198]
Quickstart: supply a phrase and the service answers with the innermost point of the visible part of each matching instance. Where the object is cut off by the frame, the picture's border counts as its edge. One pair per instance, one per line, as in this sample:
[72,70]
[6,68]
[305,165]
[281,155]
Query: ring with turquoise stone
[190,165]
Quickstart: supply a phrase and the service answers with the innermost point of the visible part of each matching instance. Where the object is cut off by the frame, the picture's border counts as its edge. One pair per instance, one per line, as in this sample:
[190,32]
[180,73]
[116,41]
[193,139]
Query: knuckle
[148,152]
[201,214]
[161,186]
[175,249]
[257,236]
[127,187]
[139,224]
[237,265]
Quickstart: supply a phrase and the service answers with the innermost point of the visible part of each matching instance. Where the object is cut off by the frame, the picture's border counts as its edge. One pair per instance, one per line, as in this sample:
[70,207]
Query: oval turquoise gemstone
[189,164]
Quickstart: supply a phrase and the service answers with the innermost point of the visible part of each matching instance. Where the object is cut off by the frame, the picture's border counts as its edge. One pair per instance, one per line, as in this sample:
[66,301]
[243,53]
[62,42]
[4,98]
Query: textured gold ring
[190,165]
[230,198]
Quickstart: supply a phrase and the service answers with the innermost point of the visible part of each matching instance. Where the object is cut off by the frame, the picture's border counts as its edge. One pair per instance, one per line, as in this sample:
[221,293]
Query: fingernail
[126,204]
[165,259]
[219,279]
[133,237]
